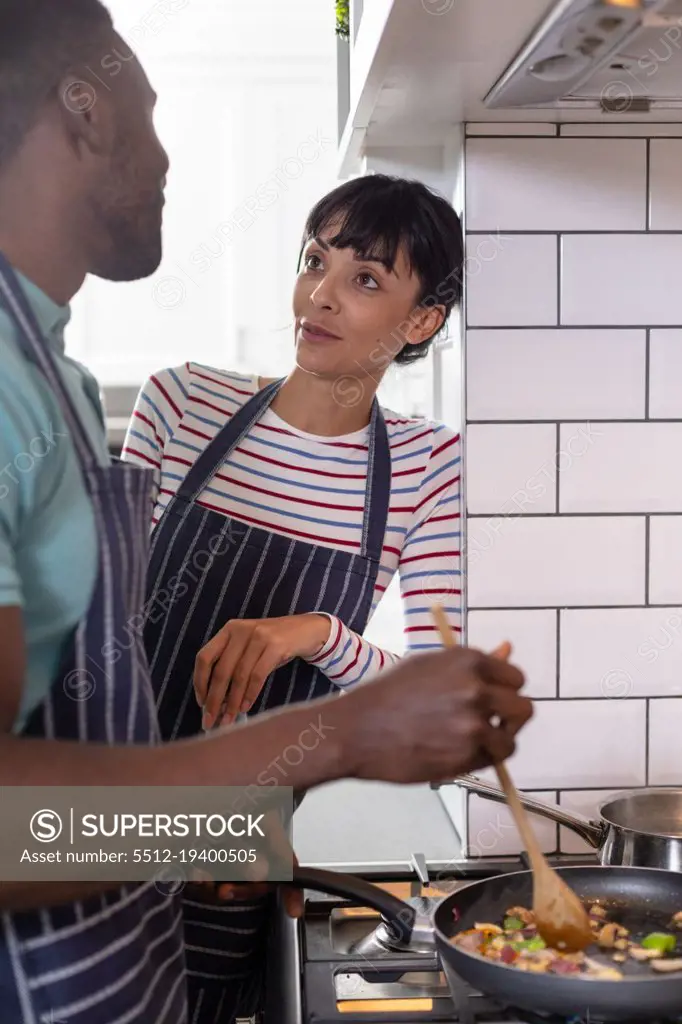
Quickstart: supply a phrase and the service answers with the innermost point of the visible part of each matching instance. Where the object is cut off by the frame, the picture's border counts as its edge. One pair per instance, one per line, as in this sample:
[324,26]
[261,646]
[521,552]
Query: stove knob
[418,863]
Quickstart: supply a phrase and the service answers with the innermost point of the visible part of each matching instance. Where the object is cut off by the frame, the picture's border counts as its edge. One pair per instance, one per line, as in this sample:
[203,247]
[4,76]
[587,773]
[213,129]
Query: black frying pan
[644,900]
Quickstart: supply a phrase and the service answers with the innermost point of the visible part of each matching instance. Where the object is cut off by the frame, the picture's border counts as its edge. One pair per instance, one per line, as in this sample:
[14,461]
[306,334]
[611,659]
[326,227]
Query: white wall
[574,442]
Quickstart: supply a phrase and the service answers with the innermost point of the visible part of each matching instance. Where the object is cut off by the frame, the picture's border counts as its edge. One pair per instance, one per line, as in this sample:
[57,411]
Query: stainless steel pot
[641,828]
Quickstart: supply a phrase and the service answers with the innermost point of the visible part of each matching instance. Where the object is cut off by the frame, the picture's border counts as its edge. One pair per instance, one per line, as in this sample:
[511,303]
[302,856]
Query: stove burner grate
[476,1008]
[537,1018]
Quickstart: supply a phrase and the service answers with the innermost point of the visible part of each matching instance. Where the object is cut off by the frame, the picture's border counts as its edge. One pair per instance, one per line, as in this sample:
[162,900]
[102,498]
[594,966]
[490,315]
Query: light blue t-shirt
[48,544]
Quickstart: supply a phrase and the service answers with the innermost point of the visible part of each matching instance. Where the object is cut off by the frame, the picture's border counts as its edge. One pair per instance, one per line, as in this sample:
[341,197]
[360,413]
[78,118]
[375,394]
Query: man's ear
[424,322]
[86,111]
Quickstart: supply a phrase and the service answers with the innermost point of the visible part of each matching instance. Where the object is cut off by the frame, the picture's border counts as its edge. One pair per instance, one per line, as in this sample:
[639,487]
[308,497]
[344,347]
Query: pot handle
[591,831]
[399,916]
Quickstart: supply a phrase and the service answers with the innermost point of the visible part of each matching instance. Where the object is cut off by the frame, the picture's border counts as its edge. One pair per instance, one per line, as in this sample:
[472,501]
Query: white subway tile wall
[665,374]
[621,652]
[578,740]
[511,128]
[493,833]
[665,198]
[585,802]
[627,467]
[555,374]
[519,274]
[559,184]
[533,636]
[630,129]
[665,729]
[521,561]
[623,280]
[505,460]
[574,353]
[665,560]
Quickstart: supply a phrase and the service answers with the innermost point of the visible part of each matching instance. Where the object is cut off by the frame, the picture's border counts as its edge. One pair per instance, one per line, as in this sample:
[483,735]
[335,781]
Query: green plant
[342,16]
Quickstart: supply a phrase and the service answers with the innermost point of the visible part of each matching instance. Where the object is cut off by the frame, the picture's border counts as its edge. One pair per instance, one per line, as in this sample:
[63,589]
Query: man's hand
[231,670]
[12,666]
[434,716]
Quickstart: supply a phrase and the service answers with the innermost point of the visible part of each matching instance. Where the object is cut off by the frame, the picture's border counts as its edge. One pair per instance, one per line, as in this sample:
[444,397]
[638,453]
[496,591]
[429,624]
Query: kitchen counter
[353,825]
[375,829]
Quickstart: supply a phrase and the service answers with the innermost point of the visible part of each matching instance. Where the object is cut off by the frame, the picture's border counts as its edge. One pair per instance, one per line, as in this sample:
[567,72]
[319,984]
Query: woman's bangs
[366,225]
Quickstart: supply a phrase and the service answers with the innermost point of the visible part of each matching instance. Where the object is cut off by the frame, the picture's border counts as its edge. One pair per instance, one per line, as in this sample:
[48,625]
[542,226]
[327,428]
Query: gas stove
[340,965]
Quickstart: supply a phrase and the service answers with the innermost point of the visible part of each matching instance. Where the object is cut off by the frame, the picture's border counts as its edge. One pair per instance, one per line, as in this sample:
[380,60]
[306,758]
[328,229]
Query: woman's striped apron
[118,958]
[207,568]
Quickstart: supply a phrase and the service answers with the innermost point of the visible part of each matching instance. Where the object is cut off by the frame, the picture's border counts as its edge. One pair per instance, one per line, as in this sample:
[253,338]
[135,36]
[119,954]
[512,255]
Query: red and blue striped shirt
[313,489]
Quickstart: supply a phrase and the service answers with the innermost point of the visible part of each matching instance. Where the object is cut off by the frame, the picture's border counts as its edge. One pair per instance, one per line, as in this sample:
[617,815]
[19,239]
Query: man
[82,175]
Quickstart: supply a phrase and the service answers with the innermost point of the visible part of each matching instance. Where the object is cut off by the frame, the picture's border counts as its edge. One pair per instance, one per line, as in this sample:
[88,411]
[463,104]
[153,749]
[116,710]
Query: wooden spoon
[561,919]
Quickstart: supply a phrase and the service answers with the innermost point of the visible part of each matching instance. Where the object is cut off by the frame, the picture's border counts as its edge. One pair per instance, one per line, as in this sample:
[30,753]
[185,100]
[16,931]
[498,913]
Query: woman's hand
[205,889]
[223,893]
[232,668]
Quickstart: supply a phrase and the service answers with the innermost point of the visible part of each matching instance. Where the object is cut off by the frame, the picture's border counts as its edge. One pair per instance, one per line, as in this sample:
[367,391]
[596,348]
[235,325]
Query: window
[247,112]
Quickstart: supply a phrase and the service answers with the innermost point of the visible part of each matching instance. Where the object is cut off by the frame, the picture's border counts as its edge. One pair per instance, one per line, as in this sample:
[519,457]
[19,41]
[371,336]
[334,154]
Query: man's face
[127,195]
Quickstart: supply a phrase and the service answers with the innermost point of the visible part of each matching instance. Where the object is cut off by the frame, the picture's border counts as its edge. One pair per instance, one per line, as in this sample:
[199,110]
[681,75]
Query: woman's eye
[367,281]
[313,261]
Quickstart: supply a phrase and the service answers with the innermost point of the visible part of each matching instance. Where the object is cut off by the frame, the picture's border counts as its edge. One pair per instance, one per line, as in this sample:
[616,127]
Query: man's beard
[131,252]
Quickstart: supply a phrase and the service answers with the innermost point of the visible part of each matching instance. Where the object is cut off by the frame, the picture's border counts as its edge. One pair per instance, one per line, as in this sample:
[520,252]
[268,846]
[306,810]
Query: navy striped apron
[117,958]
[205,569]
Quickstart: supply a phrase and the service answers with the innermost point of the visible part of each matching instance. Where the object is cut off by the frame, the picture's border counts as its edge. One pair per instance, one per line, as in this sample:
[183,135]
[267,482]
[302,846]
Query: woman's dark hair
[377,214]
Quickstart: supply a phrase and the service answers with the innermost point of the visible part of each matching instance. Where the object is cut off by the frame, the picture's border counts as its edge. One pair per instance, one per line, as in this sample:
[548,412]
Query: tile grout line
[647,721]
[647,557]
[535,232]
[464,412]
[647,374]
[498,514]
[558,280]
[599,700]
[647,186]
[588,789]
[601,327]
[557,471]
[558,653]
[592,419]
[574,607]
[560,131]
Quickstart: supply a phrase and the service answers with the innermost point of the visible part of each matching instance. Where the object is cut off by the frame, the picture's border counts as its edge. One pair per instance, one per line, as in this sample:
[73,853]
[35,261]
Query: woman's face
[353,316]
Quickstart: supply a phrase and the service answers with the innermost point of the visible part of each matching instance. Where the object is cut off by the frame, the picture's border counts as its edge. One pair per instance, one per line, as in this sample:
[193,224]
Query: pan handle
[399,916]
[591,831]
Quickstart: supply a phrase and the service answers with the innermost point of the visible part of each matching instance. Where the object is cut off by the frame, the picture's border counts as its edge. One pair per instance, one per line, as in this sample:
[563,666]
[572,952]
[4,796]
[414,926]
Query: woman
[283,509]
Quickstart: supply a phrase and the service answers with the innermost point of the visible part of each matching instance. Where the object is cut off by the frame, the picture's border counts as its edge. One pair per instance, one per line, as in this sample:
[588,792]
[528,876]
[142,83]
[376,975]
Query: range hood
[623,56]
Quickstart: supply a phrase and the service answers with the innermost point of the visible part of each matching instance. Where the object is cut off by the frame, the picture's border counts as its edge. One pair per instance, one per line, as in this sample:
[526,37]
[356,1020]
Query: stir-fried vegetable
[660,941]
[517,944]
